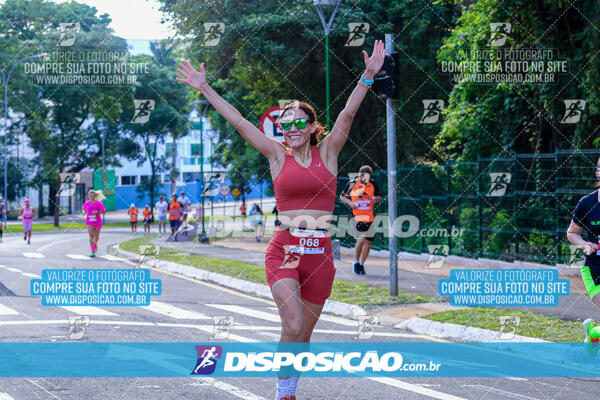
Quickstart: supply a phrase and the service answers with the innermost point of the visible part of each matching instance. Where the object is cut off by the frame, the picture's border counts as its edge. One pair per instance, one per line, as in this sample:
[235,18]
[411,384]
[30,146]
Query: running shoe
[362,269]
[160,235]
[29,242]
[92,255]
[588,325]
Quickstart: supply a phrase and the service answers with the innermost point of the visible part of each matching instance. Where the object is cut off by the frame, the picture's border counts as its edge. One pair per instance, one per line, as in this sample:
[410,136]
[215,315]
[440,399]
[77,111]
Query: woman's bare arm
[339,133]
[574,236]
[197,80]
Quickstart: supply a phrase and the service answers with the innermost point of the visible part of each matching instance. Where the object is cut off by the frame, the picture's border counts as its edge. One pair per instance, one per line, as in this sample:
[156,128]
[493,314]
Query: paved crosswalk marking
[5,396]
[13,269]
[77,256]
[4,310]
[30,275]
[88,310]
[173,312]
[247,311]
[112,258]
[416,389]
[33,255]
[331,318]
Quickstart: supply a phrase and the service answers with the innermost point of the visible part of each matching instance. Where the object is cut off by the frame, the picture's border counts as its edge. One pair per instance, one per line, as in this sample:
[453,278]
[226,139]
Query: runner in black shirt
[586,216]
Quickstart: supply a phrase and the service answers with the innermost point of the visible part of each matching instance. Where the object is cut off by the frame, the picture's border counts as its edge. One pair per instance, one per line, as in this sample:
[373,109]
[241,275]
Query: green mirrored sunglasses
[300,123]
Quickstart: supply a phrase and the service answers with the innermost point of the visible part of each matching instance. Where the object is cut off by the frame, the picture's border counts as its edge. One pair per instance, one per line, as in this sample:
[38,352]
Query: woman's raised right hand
[196,79]
[590,248]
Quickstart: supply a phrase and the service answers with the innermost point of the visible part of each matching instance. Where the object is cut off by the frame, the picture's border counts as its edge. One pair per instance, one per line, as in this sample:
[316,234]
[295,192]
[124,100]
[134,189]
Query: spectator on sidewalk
[161,210]
[133,218]
[256,219]
[361,194]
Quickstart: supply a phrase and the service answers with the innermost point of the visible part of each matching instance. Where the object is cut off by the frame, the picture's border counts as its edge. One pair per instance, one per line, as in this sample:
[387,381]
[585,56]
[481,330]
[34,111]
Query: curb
[333,307]
[444,330]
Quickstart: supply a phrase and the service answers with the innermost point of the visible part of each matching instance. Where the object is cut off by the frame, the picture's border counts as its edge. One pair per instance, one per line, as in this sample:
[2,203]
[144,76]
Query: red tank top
[299,188]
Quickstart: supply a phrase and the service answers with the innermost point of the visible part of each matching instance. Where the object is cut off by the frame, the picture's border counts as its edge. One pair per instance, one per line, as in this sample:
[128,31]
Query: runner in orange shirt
[133,218]
[175,212]
[360,195]
[147,219]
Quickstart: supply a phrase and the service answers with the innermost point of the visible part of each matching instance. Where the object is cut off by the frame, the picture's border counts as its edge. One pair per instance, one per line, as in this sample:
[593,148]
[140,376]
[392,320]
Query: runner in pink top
[93,208]
[27,214]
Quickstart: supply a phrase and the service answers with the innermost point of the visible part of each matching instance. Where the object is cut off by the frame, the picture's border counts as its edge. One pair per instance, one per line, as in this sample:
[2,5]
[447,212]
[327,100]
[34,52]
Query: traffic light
[387,79]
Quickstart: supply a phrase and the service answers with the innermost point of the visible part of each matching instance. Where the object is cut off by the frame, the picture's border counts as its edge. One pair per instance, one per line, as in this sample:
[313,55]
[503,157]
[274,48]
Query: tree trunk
[41,200]
[174,171]
[53,200]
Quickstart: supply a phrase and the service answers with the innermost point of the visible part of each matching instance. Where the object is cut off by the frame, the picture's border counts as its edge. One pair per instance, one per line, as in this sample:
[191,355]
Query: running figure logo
[499,183]
[68,34]
[147,254]
[207,359]
[576,257]
[358,32]
[500,31]
[142,111]
[437,255]
[573,110]
[221,326]
[366,326]
[77,326]
[212,33]
[291,257]
[68,183]
[508,326]
[432,111]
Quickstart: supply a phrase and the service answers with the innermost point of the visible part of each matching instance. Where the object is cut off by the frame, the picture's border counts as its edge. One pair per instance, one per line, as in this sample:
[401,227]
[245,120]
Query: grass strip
[360,294]
[530,324]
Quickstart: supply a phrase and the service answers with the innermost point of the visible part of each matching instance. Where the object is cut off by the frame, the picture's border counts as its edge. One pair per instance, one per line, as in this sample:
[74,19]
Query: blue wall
[126,195]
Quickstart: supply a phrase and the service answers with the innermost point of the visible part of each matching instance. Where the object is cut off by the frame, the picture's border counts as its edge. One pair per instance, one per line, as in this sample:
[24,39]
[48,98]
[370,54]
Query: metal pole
[212,198]
[327,77]
[5,147]
[202,175]
[391,166]
[103,173]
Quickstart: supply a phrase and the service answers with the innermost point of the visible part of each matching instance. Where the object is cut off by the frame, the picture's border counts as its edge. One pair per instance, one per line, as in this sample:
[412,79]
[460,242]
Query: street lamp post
[202,237]
[5,80]
[327,26]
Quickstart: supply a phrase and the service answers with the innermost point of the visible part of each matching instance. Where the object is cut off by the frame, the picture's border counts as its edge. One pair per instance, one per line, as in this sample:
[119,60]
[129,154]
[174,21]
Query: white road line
[172,311]
[226,387]
[4,310]
[30,275]
[77,256]
[2,266]
[112,258]
[247,311]
[44,247]
[416,389]
[88,310]
[13,269]
[331,318]
[501,392]
[5,396]
[33,255]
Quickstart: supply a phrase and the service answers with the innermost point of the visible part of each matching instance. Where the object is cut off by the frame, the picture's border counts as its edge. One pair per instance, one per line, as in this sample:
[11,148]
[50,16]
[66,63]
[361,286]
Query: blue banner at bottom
[339,359]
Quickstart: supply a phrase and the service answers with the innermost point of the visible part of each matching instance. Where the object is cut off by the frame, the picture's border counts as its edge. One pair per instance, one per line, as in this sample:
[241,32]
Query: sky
[138,21]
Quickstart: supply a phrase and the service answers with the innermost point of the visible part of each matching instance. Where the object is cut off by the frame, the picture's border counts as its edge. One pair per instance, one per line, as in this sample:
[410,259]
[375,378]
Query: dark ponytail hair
[319,132]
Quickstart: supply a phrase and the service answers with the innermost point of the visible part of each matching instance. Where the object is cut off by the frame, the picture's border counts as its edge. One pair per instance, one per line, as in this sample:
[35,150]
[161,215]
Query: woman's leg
[92,236]
[312,312]
[286,293]
[366,246]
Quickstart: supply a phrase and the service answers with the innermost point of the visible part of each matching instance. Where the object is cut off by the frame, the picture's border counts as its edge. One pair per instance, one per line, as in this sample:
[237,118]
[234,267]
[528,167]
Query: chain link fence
[509,209]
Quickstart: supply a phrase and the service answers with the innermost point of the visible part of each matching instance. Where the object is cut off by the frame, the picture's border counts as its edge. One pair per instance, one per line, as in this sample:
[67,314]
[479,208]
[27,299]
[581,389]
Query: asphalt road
[184,312]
